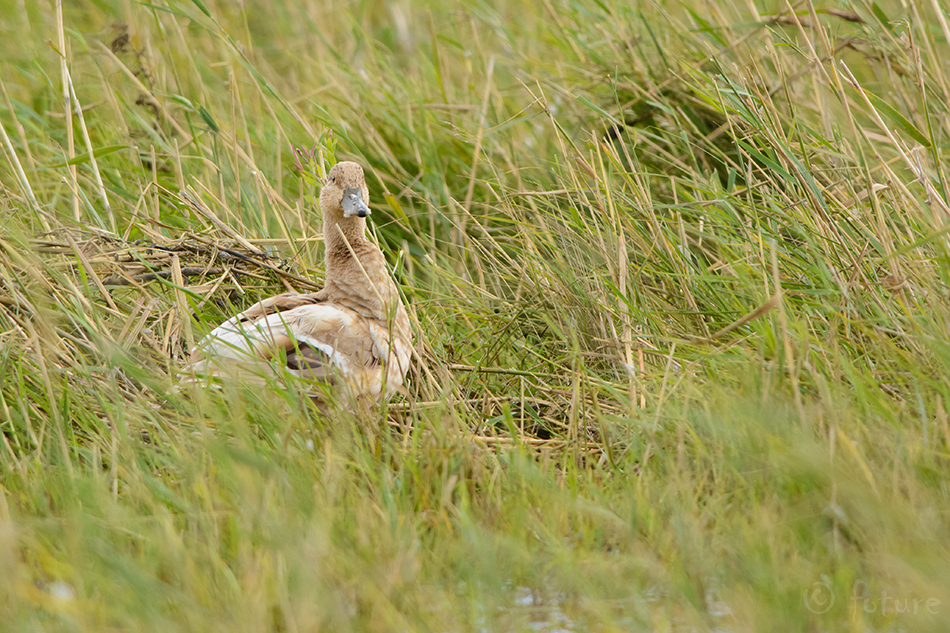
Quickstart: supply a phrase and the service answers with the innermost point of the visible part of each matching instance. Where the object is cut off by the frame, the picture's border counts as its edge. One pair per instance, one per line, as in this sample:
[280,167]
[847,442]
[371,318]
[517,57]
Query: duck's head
[345,192]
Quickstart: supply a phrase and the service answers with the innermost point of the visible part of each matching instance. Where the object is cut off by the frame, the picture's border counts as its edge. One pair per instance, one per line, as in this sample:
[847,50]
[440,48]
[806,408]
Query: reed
[679,278]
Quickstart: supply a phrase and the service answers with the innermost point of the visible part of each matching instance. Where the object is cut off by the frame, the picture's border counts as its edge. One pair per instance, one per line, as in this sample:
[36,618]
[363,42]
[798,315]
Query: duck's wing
[312,337]
[320,342]
[280,303]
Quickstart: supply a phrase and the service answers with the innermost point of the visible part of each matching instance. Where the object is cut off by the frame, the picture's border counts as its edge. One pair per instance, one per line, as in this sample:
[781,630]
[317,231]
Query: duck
[353,336]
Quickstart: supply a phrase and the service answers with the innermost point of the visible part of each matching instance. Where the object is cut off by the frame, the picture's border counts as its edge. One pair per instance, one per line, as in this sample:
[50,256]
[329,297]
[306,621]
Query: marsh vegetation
[678,274]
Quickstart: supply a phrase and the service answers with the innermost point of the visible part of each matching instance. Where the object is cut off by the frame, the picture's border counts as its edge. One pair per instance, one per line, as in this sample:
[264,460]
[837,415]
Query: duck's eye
[332,178]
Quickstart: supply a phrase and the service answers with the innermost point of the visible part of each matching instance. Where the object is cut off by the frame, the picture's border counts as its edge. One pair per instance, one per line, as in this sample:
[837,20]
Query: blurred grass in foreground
[679,275]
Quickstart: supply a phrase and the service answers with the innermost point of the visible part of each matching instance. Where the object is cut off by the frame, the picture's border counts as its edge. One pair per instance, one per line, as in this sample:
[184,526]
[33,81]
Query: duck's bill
[353,203]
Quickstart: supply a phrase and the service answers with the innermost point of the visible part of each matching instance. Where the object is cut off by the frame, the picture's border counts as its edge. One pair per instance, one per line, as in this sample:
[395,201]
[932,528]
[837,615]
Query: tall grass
[679,277]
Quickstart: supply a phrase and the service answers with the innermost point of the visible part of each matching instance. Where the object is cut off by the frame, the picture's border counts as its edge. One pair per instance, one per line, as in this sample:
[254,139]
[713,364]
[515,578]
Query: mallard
[352,335]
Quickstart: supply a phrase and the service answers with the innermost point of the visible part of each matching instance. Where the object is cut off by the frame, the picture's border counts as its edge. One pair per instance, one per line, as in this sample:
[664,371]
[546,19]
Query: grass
[679,277]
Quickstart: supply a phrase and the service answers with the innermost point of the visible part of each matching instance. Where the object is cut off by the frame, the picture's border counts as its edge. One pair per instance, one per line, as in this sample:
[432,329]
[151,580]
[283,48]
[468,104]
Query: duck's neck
[356,275]
[343,239]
